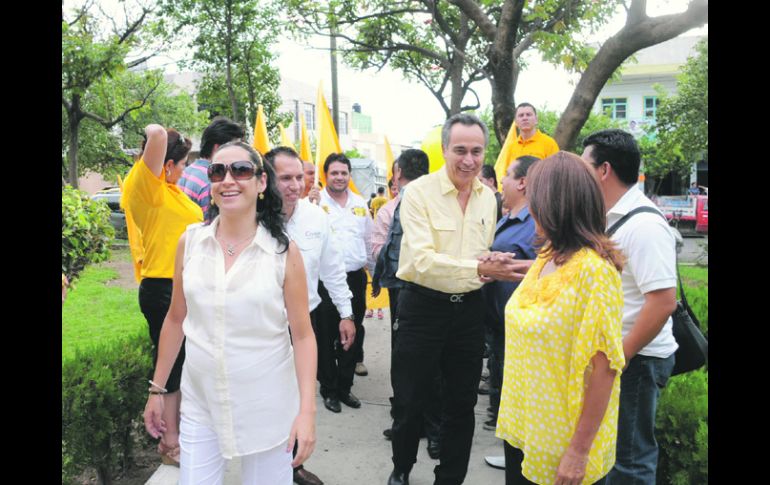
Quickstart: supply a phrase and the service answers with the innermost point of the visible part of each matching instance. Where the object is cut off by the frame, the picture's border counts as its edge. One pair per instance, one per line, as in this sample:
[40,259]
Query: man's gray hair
[467,120]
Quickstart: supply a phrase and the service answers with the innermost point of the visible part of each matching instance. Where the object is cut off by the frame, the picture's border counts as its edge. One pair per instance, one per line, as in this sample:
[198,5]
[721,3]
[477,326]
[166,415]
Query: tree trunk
[74,131]
[503,81]
[456,85]
[639,32]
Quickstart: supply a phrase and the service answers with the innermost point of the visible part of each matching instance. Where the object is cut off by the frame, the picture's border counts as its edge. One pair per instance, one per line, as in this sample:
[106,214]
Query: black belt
[439,295]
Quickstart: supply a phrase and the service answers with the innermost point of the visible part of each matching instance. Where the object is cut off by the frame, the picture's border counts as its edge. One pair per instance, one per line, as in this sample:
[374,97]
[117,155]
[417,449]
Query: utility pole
[335,92]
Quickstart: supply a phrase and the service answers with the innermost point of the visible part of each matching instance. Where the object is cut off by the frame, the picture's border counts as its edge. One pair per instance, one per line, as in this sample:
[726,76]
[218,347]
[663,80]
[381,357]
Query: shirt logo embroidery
[325,208]
[312,235]
[359,211]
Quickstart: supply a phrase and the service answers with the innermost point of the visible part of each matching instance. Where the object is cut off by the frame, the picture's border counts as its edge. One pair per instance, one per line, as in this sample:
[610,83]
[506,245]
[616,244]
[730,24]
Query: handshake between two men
[501,266]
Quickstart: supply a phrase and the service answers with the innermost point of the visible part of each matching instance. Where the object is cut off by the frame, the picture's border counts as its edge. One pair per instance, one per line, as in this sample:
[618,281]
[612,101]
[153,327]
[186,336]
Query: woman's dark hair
[269,209]
[566,202]
[177,146]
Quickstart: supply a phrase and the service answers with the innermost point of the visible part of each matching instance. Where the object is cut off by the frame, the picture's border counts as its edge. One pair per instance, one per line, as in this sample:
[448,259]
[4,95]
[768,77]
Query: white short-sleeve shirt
[649,246]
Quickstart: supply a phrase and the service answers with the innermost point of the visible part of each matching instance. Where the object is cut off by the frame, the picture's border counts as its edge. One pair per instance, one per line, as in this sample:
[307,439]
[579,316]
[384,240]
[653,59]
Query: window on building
[650,107]
[310,116]
[343,123]
[615,108]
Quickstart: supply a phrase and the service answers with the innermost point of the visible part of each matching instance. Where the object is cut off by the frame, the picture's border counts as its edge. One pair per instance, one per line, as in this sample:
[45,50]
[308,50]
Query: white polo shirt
[309,229]
[649,246]
[351,229]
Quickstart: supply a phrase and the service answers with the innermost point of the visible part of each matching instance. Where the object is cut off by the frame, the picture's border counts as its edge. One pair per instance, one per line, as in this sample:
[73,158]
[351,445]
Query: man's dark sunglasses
[241,170]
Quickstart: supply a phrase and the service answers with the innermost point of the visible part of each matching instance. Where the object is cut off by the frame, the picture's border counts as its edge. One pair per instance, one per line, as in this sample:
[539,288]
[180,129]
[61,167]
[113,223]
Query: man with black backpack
[649,292]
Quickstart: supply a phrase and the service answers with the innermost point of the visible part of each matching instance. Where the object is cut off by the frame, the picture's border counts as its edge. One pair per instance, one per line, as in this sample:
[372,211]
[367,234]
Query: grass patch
[96,313]
[696,282]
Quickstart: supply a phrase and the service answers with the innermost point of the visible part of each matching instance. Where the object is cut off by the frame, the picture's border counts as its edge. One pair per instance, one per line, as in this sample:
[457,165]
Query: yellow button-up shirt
[440,243]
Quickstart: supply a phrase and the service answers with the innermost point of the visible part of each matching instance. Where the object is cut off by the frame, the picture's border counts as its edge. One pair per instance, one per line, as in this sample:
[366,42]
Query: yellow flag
[261,142]
[327,141]
[389,162]
[304,141]
[502,163]
[285,140]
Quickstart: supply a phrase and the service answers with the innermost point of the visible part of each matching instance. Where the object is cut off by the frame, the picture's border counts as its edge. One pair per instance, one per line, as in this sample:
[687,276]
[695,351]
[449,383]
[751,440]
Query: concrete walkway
[350,448]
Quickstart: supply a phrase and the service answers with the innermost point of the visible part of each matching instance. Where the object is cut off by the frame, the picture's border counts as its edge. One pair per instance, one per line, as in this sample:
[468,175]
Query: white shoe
[495,461]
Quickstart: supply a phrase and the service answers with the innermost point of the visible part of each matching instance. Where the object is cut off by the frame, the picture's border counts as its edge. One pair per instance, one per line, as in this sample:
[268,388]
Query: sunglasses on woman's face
[242,170]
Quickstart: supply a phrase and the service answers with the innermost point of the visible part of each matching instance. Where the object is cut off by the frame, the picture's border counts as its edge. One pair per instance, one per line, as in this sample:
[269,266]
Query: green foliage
[682,430]
[682,119]
[354,153]
[696,287]
[102,101]
[86,231]
[103,395]
[101,150]
[231,41]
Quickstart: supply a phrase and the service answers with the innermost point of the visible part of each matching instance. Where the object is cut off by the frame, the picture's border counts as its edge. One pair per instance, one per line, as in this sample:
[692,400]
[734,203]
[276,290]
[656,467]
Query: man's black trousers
[435,335]
[336,366]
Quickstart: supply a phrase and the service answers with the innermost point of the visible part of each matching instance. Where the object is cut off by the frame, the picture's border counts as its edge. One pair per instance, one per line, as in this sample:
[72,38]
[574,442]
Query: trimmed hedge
[682,430]
[103,395]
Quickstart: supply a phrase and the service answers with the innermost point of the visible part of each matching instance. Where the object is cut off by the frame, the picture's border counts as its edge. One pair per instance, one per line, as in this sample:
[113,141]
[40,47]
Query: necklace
[230,247]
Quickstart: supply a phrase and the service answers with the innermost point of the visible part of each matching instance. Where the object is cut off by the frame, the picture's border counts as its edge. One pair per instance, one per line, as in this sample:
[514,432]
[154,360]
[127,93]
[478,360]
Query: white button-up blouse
[239,377]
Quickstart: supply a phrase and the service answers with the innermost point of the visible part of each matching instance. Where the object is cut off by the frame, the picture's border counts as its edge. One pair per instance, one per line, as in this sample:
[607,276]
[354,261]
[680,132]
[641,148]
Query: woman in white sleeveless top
[239,286]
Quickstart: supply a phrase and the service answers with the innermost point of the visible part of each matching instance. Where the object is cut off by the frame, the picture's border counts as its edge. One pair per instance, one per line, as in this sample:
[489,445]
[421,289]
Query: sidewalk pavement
[350,448]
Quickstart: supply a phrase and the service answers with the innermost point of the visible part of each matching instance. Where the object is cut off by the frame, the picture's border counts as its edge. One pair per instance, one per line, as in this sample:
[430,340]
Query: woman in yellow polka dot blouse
[563,346]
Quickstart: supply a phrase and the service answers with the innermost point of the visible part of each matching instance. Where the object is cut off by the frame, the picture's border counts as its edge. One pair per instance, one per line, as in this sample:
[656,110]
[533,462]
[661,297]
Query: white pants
[201,462]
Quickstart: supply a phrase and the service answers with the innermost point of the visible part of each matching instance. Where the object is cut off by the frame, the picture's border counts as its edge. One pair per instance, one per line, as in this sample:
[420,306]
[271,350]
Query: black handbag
[693,351]
[693,348]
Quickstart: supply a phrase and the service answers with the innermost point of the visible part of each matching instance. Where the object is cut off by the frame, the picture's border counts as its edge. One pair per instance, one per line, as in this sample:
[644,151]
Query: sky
[405,111]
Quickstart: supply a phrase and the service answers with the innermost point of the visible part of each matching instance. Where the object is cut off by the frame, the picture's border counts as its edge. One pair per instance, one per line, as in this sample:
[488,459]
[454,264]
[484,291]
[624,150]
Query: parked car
[111,196]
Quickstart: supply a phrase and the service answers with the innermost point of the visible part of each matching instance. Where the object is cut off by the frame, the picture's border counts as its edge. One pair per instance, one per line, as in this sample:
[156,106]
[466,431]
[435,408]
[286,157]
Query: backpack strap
[652,210]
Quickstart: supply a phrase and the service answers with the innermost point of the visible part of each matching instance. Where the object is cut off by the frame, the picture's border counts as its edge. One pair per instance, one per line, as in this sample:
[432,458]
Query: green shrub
[86,232]
[104,389]
[682,430]
[696,287]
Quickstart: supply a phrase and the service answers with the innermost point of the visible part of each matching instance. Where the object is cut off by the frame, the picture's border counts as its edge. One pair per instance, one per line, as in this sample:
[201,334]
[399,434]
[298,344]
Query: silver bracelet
[161,388]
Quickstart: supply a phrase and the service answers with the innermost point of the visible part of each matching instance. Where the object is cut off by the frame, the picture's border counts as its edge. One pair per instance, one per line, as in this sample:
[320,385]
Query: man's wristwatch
[349,317]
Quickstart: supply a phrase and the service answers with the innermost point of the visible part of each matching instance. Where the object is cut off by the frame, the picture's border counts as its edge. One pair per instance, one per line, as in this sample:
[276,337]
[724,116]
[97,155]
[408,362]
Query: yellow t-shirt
[540,146]
[378,202]
[554,325]
[158,213]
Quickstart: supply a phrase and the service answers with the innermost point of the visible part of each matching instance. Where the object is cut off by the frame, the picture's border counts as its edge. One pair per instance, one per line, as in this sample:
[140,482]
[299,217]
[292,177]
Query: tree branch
[478,101]
[392,47]
[474,12]
[110,124]
[132,28]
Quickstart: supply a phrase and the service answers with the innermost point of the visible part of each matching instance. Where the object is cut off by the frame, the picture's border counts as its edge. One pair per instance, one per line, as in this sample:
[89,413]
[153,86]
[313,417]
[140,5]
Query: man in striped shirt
[195,180]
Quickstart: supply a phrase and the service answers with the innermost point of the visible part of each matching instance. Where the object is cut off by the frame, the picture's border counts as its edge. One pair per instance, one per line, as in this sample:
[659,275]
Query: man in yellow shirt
[448,220]
[530,141]
[378,201]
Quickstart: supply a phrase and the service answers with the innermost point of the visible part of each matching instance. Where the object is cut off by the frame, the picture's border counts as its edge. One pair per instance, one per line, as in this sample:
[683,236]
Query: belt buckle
[456,298]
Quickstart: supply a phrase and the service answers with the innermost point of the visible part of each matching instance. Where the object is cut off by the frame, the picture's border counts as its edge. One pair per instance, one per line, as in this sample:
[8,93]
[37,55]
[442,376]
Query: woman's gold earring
[261,195]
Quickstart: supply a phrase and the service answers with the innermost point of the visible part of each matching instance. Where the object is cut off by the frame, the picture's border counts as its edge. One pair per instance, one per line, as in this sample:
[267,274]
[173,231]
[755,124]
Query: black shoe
[332,404]
[490,425]
[304,477]
[434,449]
[350,400]
[388,434]
[398,478]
